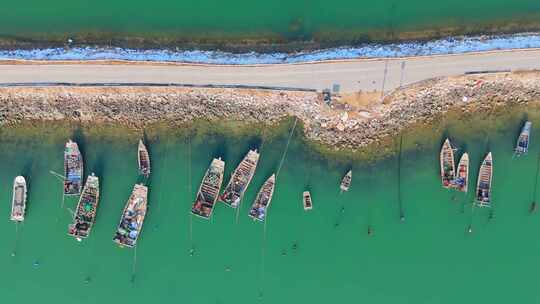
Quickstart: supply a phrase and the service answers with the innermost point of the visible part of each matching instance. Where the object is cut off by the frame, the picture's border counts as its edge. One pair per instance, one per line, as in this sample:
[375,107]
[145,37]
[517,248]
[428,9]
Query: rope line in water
[263,247]
[189,195]
[165,162]
[286,146]
[134,267]
[536,178]
[400,204]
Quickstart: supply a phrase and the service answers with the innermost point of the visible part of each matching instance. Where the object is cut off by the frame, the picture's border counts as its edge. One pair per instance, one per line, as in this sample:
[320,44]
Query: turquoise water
[318,256]
[225,21]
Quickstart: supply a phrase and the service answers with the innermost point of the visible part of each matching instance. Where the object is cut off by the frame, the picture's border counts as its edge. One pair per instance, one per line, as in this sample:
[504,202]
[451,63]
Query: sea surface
[291,20]
[320,256]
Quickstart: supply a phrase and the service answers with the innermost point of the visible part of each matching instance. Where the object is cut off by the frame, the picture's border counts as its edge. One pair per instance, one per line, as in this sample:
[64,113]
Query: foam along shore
[453,45]
[338,125]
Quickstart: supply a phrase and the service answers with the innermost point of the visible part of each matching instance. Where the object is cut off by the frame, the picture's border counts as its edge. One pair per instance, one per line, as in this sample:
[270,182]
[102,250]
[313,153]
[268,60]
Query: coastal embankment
[338,125]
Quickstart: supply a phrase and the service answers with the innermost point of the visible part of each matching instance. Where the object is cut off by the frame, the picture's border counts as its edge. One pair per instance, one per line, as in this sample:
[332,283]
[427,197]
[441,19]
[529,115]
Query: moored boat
[461,182]
[240,179]
[483,187]
[85,213]
[143,159]
[73,169]
[346,181]
[18,201]
[132,219]
[209,189]
[522,146]
[448,166]
[260,206]
[306,199]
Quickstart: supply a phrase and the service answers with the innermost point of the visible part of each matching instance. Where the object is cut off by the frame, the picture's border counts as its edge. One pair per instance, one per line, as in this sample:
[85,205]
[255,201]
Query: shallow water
[317,256]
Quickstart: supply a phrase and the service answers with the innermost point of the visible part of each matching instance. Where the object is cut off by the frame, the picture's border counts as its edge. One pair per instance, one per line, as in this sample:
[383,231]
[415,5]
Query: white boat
[522,145]
[448,166]
[483,187]
[346,181]
[18,202]
[306,199]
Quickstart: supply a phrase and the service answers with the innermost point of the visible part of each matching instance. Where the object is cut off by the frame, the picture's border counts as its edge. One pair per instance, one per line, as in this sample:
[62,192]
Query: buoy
[36,263]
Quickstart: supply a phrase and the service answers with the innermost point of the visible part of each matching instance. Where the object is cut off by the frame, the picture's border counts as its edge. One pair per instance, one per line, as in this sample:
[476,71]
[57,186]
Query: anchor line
[286,146]
[134,265]
[536,178]
[189,193]
[400,203]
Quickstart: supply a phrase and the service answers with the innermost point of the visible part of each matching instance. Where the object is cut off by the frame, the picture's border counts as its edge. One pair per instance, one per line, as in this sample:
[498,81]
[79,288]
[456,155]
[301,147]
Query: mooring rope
[400,203]
[189,195]
[286,147]
[134,267]
[536,178]
[165,162]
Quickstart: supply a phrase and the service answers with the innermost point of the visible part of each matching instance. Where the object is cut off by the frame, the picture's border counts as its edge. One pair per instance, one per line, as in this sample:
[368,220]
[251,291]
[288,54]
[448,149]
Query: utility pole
[401,77]
[384,78]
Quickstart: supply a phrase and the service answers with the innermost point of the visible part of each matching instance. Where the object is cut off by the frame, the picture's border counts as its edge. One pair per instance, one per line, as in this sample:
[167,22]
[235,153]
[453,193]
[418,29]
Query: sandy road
[351,75]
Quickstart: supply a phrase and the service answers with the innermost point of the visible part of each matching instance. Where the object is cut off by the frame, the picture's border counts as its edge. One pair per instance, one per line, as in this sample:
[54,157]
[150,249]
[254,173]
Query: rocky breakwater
[336,125]
[423,102]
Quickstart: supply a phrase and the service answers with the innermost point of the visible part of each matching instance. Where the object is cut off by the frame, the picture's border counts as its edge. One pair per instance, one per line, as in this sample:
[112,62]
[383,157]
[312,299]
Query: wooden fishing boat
[240,179]
[448,166]
[85,213]
[260,206]
[306,198]
[461,182]
[18,202]
[346,181]
[522,146]
[209,189]
[143,159]
[73,169]
[132,219]
[483,188]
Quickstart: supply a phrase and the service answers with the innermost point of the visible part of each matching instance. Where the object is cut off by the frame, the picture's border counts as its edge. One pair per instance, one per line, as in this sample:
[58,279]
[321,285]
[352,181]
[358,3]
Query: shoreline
[366,132]
[403,49]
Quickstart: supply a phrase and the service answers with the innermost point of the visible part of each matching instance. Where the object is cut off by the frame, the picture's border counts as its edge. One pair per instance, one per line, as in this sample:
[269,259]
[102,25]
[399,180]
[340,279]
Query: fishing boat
[306,198]
[132,219]
[260,206]
[461,182]
[240,179]
[346,181]
[522,146]
[448,166]
[483,188]
[85,214]
[143,159]
[18,202]
[209,189]
[73,169]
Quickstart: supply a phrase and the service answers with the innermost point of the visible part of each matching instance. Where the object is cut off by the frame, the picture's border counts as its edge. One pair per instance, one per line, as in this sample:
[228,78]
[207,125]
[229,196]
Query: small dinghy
[448,166]
[143,159]
[483,188]
[522,146]
[346,182]
[18,202]
[306,198]
[461,182]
